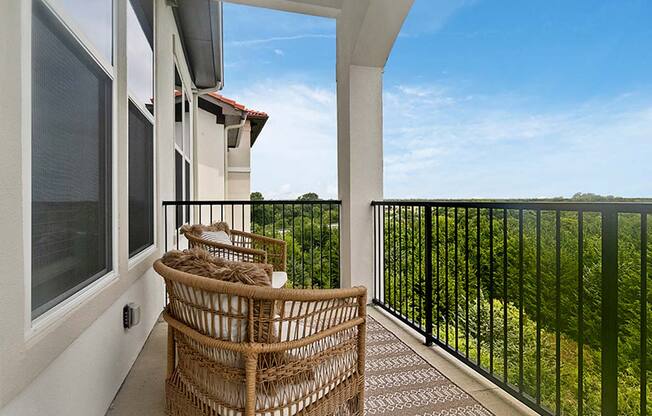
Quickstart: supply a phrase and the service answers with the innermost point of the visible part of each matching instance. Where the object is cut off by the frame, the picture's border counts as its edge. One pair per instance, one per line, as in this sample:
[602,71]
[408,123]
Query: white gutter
[233,127]
[227,129]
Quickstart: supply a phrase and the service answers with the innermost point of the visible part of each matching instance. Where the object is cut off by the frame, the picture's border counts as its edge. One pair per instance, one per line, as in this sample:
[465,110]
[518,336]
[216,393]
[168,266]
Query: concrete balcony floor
[404,377]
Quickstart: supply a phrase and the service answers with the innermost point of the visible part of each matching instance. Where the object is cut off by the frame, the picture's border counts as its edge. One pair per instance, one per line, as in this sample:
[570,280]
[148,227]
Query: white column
[360,168]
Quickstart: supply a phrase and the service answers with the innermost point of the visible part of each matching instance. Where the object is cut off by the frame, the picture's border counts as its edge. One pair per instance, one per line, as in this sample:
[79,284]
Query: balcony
[508,307]
[403,377]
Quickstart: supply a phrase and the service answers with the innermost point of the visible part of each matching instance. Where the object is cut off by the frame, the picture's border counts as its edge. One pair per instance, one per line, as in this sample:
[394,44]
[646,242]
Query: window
[94,18]
[140,57]
[141,181]
[178,185]
[140,74]
[183,153]
[71,164]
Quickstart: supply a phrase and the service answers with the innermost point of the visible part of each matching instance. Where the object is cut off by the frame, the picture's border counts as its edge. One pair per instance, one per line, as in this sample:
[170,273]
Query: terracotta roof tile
[233,103]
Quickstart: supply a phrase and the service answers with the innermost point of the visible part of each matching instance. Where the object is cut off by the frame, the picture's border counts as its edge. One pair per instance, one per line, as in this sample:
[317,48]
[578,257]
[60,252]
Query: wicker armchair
[247,247]
[236,349]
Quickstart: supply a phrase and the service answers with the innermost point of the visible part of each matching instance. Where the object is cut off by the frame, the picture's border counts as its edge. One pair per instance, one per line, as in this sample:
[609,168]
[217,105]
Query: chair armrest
[276,249]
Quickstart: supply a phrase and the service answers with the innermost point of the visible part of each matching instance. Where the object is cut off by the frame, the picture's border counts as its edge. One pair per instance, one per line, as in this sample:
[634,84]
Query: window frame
[187,183]
[132,99]
[144,251]
[35,326]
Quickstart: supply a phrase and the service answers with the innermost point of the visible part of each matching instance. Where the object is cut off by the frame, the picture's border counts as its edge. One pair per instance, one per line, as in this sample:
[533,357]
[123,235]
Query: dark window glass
[71,165]
[187,195]
[141,181]
[178,185]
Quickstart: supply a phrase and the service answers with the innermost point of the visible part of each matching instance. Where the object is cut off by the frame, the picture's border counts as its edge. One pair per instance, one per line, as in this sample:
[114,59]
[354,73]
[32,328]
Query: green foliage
[312,235]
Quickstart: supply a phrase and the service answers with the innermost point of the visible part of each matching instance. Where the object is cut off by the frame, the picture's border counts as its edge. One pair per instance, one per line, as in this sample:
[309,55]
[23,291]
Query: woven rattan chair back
[246,246]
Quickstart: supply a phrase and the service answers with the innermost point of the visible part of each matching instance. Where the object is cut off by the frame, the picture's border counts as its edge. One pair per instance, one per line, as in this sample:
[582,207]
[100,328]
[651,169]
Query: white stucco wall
[211,157]
[74,360]
[84,379]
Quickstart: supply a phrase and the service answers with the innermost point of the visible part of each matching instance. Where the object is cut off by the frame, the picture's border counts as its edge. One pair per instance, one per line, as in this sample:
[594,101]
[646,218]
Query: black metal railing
[311,229]
[550,301]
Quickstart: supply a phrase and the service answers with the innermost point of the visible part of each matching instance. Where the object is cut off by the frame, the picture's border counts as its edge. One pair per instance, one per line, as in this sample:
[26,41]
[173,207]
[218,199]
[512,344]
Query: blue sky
[481,99]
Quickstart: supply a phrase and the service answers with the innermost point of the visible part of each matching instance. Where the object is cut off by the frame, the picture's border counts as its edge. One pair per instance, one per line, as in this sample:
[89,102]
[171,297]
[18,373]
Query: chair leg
[171,352]
[251,362]
[362,339]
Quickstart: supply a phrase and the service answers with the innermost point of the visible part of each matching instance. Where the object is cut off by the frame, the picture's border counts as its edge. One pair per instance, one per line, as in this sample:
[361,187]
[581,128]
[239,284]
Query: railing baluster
[505,296]
[399,260]
[428,273]
[477,289]
[520,300]
[294,249]
[374,217]
[447,313]
[393,257]
[558,312]
[456,286]
[466,281]
[643,341]
[303,253]
[580,313]
[609,330]
[491,291]
[538,308]
[312,246]
[437,315]
[420,272]
[386,248]
[321,247]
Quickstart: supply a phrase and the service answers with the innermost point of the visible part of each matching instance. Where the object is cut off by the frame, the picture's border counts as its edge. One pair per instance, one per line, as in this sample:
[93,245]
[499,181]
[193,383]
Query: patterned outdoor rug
[400,382]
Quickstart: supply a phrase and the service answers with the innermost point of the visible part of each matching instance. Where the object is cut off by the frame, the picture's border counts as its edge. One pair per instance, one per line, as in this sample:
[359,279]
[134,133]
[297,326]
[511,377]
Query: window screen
[178,185]
[141,181]
[71,165]
[187,193]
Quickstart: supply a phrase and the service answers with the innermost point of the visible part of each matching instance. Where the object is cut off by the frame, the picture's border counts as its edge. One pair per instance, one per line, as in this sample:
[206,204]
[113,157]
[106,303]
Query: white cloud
[296,152]
[279,52]
[439,143]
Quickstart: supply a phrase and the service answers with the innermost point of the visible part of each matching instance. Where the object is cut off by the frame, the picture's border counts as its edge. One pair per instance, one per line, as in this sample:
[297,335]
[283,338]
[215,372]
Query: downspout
[227,129]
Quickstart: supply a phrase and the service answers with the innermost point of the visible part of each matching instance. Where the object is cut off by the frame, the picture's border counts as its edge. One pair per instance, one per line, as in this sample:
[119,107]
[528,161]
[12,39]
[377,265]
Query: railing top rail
[622,207]
[249,202]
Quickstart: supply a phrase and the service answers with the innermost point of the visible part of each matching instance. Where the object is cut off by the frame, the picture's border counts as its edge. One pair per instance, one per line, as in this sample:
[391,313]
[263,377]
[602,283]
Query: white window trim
[138,258]
[34,329]
[186,154]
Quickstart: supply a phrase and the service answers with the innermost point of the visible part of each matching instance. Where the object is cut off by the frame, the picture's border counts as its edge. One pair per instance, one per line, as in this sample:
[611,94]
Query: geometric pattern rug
[399,382]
